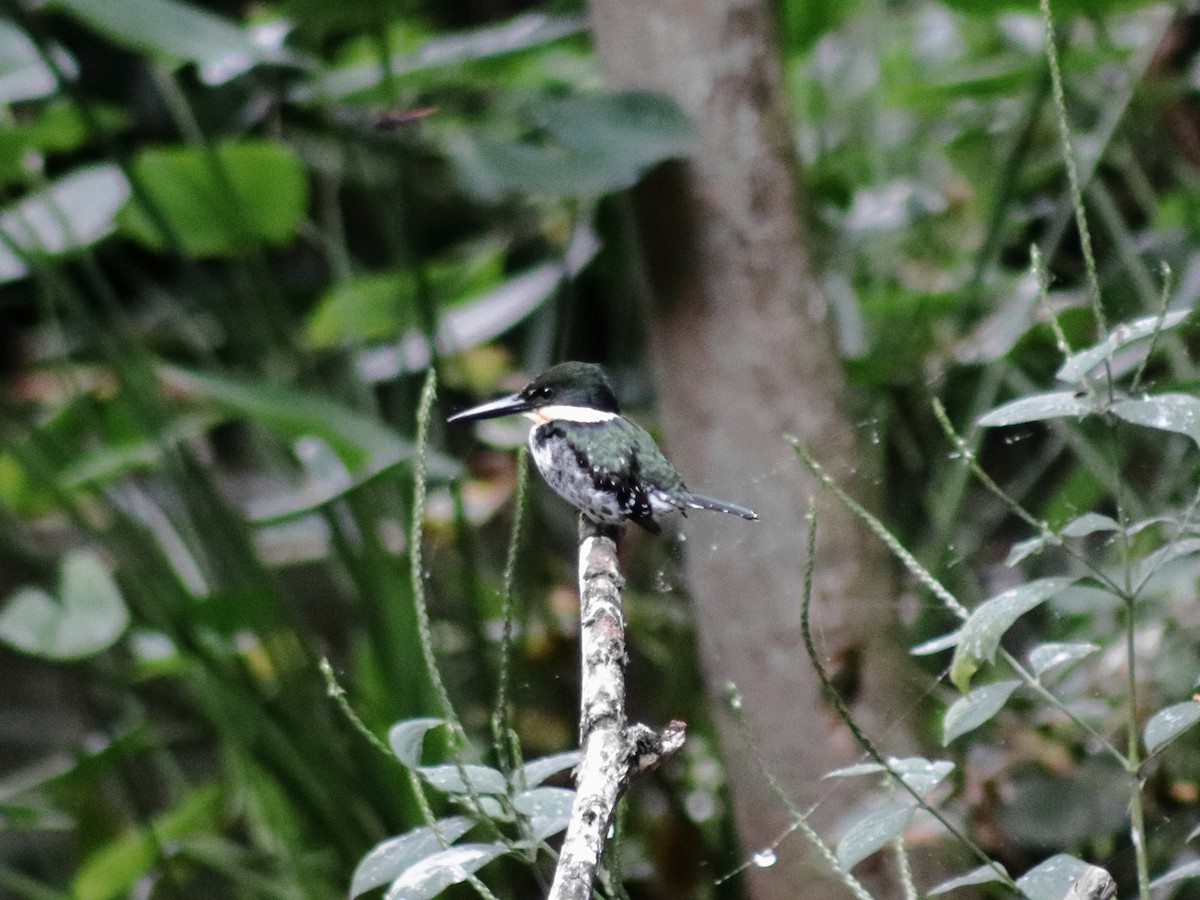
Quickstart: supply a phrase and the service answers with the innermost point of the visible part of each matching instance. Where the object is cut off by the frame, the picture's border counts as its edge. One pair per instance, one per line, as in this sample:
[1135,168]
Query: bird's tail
[698,501]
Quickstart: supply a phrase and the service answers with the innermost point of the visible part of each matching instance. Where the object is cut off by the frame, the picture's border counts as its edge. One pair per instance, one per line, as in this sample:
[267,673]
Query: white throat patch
[568,414]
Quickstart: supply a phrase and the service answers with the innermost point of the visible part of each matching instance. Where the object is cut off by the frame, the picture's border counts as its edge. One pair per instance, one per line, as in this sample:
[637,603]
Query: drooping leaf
[937,644]
[969,712]
[1167,724]
[1045,657]
[389,859]
[1076,368]
[244,194]
[1052,879]
[981,633]
[982,875]
[919,773]
[87,617]
[1179,413]
[406,739]
[1038,408]
[877,828]
[70,213]
[547,809]
[1089,523]
[449,778]
[1159,558]
[430,876]
[538,770]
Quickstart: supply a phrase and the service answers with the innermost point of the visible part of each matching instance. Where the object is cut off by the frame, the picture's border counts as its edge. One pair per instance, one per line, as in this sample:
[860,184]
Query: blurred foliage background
[235,235]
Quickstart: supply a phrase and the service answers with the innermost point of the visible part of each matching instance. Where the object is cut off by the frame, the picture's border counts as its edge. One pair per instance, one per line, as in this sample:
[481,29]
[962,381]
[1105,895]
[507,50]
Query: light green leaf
[72,212]
[1052,879]
[1039,407]
[1167,724]
[873,831]
[449,778]
[1045,657]
[245,194]
[538,770]
[1179,413]
[920,774]
[389,859]
[1089,523]
[1159,558]
[969,712]
[548,810]
[1077,367]
[982,875]
[23,73]
[88,616]
[981,633]
[406,739]
[426,879]
[937,644]
[1179,873]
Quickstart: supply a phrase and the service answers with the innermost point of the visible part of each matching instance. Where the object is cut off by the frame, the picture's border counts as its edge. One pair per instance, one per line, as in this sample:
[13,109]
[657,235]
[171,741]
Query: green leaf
[449,778]
[70,213]
[368,307]
[389,859]
[982,875]
[1179,413]
[427,878]
[547,809]
[406,739]
[1037,408]
[1159,558]
[937,644]
[1052,879]
[1167,724]
[87,618]
[226,202]
[23,73]
[360,441]
[1049,656]
[1077,366]
[980,635]
[872,831]
[114,869]
[167,28]
[1089,523]
[969,712]
[919,773]
[538,770]
[1179,873]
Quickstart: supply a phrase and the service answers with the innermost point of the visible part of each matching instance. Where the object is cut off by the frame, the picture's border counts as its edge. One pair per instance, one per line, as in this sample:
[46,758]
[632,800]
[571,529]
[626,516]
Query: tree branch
[614,752]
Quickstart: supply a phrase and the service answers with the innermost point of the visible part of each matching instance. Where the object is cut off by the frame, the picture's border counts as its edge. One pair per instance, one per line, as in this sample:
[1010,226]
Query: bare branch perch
[614,752]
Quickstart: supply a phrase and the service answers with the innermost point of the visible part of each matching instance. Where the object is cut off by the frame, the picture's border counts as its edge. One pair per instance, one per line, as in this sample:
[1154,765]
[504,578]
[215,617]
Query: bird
[605,465]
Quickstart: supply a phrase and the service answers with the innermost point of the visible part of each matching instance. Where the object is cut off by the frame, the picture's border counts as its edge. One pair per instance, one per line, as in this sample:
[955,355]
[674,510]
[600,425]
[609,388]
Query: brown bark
[745,355]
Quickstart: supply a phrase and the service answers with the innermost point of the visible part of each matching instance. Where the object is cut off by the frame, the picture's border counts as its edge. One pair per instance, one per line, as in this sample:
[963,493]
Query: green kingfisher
[606,466]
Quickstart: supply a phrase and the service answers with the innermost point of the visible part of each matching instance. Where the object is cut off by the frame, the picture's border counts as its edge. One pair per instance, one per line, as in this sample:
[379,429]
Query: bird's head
[575,391]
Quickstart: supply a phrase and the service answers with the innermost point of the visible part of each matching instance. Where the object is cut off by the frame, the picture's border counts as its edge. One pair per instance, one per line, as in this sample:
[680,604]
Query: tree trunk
[745,355]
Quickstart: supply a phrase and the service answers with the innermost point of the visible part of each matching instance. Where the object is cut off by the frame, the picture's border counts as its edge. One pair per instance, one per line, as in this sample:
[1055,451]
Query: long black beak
[493,409]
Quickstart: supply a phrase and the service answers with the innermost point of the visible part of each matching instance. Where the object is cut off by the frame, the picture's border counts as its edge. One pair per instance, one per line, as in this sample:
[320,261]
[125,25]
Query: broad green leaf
[70,213]
[937,644]
[1187,870]
[1167,724]
[982,875]
[368,307]
[51,129]
[987,624]
[449,778]
[920,774]
[1159,558]
[241,195]
[538,770]
[406,739]
[88,616]
[1038,408]
[114,869]
[433,874]
[872,831]
[24,75]
[1089,523]
[1045,657]
[969,712]
[168,28]
[389,859]
[520,33]
[1052,879]
[548,810]
[361,442]
[1077,367]
[1179,413]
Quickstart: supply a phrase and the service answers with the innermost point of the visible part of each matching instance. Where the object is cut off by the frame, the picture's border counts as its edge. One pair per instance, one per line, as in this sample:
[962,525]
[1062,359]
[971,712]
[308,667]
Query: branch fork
[614,752]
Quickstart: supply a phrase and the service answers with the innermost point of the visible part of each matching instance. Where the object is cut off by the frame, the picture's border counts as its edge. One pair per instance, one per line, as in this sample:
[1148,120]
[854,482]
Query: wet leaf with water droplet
[1167,724]
[872,831]
[1038,408]
[1052,879]
[1078,365]
[1179,413]
[969,712]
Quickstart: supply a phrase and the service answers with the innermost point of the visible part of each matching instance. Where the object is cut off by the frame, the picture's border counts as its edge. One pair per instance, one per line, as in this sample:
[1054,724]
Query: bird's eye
[542,393]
